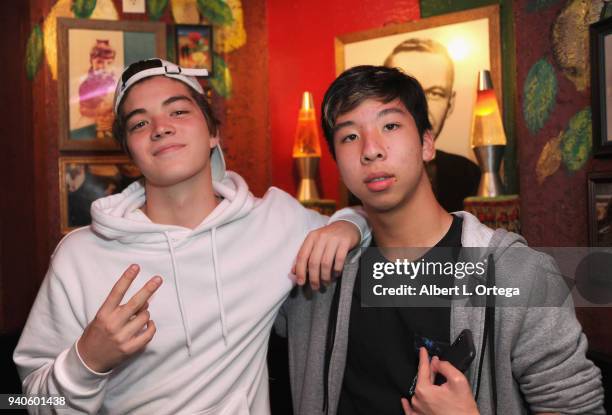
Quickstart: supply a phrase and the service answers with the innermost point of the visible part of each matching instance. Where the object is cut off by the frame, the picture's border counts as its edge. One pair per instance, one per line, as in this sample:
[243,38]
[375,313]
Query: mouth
[378,182]
[170,148]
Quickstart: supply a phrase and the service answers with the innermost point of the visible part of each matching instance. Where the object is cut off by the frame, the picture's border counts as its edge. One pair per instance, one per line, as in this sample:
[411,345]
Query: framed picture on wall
[92,54]
[600,208]
[601,82]
[444,53]
[194,46]
[85,179]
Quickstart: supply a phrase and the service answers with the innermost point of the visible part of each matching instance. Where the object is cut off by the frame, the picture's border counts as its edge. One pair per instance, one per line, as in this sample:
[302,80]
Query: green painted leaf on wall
[540,94]
[576,141]
[216,11]
[34,52]
[535,5]
[156,8]
[83,8]
[222,78]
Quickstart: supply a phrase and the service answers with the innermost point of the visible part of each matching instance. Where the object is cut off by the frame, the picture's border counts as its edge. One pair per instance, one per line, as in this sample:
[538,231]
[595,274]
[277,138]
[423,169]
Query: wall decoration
[194,47]
[94,53]
[156,8]
[133,6]
[105,9]
[85,179]
[576,141]
[216,12]
[232,36]
[549,160]
[601,93]
[600,208]
[539,95]
[222,79]
[570,40]
[185,11]
[459,45]
[83,8]
[34,52]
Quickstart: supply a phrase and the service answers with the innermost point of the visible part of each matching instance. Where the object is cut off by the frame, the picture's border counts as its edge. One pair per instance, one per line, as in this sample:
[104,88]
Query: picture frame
[92,55]
[85,179]
[194,47]
[600,34]
[600,208]
[444,53]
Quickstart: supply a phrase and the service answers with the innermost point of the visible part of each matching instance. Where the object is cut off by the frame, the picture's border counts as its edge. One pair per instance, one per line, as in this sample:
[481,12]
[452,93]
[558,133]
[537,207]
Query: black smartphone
[460,354]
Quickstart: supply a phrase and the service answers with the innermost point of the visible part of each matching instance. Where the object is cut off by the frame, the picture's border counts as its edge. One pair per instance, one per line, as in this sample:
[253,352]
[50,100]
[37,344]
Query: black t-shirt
[453,178]
[382,359]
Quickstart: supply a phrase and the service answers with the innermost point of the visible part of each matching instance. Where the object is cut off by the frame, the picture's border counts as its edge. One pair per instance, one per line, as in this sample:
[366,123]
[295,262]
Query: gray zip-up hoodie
[540,362]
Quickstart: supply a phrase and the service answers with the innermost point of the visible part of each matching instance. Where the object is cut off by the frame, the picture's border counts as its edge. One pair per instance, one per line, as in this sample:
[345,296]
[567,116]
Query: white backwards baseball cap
[159,67]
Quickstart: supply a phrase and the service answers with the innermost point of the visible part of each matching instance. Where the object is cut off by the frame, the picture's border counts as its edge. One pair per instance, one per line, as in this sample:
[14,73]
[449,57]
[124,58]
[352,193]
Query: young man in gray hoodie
[348,359]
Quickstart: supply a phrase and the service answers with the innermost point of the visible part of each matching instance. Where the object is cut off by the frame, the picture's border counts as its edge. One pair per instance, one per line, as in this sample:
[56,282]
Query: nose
[373,149]
[162,128]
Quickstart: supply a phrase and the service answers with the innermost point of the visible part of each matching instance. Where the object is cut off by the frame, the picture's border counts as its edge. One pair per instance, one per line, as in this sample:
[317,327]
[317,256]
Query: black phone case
[460,354]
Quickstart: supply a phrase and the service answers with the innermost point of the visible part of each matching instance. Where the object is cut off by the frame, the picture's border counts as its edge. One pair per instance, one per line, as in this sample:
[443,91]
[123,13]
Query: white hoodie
[224,282]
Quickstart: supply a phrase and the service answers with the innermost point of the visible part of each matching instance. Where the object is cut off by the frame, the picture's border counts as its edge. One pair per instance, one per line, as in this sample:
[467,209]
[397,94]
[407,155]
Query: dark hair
[119,126]
[364,82]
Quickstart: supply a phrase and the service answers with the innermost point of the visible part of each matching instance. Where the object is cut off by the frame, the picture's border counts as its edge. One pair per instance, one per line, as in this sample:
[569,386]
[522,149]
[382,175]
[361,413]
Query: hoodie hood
[118,217]
[493,242]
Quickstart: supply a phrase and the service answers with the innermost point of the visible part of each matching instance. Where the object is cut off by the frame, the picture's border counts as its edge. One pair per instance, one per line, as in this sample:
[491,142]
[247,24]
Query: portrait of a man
[453,176]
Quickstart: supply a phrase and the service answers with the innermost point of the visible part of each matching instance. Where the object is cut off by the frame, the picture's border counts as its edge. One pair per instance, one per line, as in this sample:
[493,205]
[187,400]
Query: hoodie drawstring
[218,284]
[178,294]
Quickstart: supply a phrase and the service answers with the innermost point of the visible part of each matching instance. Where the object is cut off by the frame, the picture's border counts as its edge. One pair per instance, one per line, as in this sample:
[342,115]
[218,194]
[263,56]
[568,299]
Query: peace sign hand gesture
[119,331]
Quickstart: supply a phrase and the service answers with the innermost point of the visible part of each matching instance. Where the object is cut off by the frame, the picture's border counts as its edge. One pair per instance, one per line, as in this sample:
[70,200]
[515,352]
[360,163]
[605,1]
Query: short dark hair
[363,82]
[119,125]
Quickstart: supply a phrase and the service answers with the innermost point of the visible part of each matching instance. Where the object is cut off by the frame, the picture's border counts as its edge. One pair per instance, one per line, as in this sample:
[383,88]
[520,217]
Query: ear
[428,147]
[214,141]
[451,104]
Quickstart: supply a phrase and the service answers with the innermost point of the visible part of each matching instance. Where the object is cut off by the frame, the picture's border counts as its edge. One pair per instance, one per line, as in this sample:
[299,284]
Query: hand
[324,249]
[454,396]
[119,331]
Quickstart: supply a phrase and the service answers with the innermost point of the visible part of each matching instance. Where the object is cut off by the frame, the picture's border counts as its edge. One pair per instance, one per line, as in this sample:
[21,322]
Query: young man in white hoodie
[185,328]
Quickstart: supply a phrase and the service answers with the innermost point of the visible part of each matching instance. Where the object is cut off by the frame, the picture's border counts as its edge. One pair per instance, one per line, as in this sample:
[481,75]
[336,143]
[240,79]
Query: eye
[179,113]
[137,126]
[436,94]
[349,138]
[391,126]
